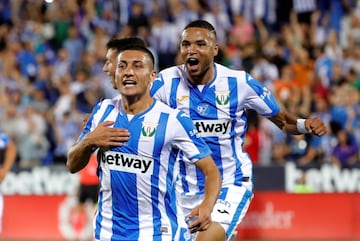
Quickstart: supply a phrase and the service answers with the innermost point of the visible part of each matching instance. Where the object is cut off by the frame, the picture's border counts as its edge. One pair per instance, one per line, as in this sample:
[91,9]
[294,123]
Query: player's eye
[138,66]
[121,66]
[185,44]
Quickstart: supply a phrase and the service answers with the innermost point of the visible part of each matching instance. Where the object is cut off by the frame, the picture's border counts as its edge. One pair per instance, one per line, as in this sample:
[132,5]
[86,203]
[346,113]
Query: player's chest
[208,102]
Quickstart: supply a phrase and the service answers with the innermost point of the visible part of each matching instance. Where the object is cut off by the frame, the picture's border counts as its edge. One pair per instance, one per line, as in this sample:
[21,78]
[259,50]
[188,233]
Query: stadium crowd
[307,52]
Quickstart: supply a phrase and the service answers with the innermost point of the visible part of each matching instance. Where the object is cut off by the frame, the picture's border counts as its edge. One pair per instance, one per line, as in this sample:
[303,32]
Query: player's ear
[216,49]
[153,76]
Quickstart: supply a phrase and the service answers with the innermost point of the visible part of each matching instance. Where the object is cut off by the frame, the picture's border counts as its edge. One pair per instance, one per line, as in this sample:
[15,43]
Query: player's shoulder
[172,72]
[109,101]
[224,71]
[164,108]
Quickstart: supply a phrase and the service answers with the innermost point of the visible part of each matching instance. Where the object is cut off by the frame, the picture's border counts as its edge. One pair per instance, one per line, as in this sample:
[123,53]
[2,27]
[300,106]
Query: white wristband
[300,124]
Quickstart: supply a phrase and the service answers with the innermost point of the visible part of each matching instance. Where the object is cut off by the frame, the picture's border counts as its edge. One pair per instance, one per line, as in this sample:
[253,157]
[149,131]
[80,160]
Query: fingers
[198,221]
[106,136]
[199,225]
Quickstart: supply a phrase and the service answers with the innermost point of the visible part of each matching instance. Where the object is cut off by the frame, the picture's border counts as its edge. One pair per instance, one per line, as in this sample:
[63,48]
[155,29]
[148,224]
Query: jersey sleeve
[259,98]
[157,90]
[92,122]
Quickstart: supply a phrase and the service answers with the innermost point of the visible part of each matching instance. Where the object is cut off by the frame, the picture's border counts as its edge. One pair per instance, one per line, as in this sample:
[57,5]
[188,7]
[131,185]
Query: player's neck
[136,104]
[205,77]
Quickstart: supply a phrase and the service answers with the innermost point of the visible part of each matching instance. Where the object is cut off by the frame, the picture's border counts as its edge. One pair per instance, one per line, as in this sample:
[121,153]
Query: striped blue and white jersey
[137,180]
[218,110]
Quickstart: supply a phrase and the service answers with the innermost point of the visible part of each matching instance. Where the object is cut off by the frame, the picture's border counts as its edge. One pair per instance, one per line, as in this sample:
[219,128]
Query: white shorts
[230,208]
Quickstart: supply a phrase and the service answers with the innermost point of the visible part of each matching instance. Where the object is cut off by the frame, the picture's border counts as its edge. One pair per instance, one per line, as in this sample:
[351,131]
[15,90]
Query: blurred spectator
[164,40]
[353,79]
[83,90]
[5,12]
[303,9]
[242,31]
[218,17]
[62,64]
[33,144]
[294,147]
[66,99]
[75,47]
[61,19]
[252,138]
[285,88]
[333,48]
[320,28]
[38,98]
[320,148]
[264,71]
[97,44]
[137,17]
[346,153]
[67,130]
[27,60]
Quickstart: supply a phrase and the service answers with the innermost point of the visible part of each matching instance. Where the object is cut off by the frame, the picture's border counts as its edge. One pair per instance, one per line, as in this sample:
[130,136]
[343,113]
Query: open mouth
[192,64]
[129,83]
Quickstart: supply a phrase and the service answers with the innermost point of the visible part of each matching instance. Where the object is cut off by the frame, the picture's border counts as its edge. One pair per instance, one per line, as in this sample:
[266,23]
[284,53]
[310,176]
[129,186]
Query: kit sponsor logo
[207,128]
[127,162]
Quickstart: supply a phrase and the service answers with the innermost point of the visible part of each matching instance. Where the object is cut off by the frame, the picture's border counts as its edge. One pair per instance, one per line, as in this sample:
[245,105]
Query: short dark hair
[120,43]
[201,24]
[141,48]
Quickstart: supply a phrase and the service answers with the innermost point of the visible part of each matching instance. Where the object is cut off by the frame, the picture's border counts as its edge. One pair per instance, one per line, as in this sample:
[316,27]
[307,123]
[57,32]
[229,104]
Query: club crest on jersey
[148,129]
[222,97]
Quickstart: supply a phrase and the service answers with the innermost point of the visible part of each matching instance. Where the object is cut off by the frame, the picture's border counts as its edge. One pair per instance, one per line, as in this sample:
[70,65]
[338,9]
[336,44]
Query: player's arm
[10,157]
[104,135]
[195,148]
[293,125]
[212,189]
[260,99]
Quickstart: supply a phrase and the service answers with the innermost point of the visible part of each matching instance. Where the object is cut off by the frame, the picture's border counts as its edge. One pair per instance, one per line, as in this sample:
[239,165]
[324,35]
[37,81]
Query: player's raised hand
[316,126]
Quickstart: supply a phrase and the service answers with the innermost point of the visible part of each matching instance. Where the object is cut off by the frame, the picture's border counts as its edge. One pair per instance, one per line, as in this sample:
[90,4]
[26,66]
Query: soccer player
[216,98]
[137,200]
[8,154]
